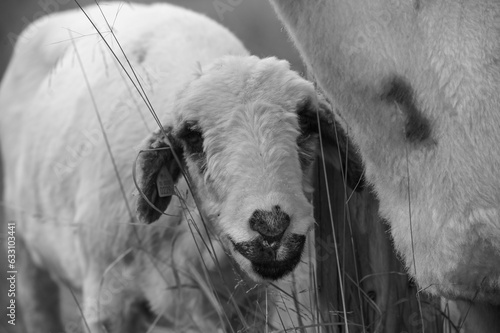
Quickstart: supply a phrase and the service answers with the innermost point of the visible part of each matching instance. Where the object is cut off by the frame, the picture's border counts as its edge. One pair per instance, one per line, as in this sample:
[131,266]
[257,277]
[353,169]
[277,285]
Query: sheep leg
[109,307]
[479,317]
[37,294]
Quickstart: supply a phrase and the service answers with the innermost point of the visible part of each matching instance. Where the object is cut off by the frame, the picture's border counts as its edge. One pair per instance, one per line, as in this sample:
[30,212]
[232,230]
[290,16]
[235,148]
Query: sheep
[416,83]
[76,135]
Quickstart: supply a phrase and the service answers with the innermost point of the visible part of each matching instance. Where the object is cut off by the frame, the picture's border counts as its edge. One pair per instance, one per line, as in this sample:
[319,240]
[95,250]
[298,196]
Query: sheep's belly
[477,274]
[459,262]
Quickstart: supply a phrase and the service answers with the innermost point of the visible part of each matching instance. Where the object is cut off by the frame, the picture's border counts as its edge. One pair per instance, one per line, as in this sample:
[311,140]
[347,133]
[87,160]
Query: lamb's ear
[334,139]
[158,171]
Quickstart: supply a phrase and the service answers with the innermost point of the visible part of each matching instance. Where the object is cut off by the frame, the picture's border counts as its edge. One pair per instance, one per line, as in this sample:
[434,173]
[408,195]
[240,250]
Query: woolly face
[417,84]
[246,131]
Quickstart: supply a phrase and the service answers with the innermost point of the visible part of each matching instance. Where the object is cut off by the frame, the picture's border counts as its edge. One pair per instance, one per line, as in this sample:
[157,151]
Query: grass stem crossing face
[248,132]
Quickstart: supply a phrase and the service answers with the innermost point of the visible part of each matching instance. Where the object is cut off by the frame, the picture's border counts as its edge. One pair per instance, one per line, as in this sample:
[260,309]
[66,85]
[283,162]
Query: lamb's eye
[192,137]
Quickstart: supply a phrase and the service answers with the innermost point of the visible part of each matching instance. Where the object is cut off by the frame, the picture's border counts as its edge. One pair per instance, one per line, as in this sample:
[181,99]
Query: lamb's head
[246,131]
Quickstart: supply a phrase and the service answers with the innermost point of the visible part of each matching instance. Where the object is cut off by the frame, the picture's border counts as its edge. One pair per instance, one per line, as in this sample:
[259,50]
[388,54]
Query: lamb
[417,86]
[242,130]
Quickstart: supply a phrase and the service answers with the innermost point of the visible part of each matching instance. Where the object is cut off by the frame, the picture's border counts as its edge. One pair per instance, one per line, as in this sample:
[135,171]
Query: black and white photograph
[250,166]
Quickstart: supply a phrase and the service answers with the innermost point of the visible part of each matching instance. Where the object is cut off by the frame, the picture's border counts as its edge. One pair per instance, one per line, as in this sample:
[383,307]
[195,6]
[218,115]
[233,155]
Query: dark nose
[270,224]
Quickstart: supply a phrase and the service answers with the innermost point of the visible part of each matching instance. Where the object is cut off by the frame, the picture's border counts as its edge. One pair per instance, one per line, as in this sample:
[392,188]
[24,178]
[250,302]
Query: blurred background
[254,22]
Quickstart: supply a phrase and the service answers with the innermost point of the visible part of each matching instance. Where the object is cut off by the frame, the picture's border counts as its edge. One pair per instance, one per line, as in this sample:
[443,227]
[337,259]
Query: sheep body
[60,187]
[417,88]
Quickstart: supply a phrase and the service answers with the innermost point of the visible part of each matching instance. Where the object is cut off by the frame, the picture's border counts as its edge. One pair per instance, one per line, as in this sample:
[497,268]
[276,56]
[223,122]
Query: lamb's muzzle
[270,224]
[273,261]
[273,253]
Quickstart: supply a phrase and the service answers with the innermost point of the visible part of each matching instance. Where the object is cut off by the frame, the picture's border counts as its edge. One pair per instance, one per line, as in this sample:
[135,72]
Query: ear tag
[165,183]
